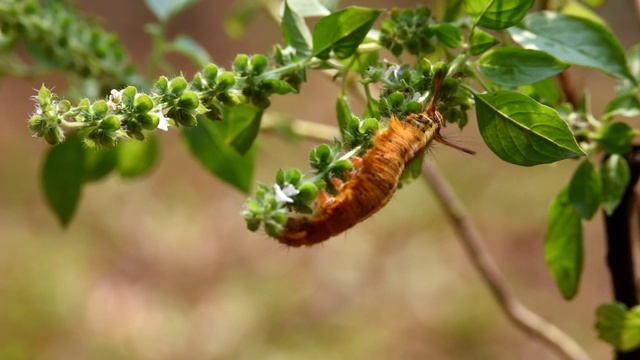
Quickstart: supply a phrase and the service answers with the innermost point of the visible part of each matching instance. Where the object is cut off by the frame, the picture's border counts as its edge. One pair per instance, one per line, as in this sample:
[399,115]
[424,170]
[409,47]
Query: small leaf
[243,126]
[616,138]
[585,190]
[295,31]
[135,158]
[618,326]
[207,143]
[563,246]
[574,40]
[448,34]
[62,178]
[626,104]
[99,163]
[575,8]
[500,14]
[615,175]
[166,9]
[308,8]
[185,45]
[344,113]
[480,41]
[343,31]
[633,57]
[522,131]
[511,66]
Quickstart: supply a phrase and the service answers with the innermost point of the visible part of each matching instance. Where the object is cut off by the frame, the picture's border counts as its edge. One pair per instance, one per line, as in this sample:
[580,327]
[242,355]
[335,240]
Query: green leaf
[618,326]
[511,66]
[574,40]
[342,31]
[545,92]
[575,8]
[135,158]
[295,31]
[616,138]
[243,126]
[626,104]
[207,143]
[585,190]
[563,246]
[480,42]
[448,34]
[166,9]
[185,45]
[308,8]
[99,163]
[62,178]
[500,14]
[615,175]
[522,131]
[344,113]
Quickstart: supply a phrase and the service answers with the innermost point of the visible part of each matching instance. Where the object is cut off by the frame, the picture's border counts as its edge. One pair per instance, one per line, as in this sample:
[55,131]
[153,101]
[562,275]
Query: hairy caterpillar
[373,184]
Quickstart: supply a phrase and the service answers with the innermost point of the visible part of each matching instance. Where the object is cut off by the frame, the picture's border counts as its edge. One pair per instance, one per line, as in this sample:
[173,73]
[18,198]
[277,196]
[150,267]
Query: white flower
[164,123]
[283,195]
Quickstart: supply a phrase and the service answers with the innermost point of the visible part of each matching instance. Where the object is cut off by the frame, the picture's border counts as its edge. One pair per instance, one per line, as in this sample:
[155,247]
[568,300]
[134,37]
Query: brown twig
[522,317]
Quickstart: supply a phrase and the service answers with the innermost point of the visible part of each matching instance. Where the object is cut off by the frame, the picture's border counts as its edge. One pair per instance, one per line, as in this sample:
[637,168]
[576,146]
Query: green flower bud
[280,177]
[308,192]
[253,223]
[135,134]
[54,135]
[142,103]
[110,123]
[241,63]
[293,177]
[177,86]
[186,119]
[424,67]
[210,73]
[440,70]
[258,64]
[413,107]
[64,106]
[37,125]
[129,95]
[162,85]
[188,100]
[272,228]
[44,97]
[225,81]
[341,166]
[369,125]
[149,121]
[280,217]
[395,100]
[99,109]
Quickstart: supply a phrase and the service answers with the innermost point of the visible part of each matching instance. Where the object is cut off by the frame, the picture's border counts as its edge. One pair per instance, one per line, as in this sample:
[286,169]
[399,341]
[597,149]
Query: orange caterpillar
[373,184]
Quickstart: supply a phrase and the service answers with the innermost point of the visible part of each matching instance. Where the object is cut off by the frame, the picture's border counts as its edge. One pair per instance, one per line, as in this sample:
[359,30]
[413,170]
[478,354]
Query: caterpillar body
[373,184]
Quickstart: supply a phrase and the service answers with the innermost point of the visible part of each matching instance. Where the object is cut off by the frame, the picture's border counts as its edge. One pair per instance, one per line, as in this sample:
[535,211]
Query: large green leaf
[342,31]
[62,178]
[99,163]
[522,131]
[166,9]
[615,175]
[207,143]
[563,246]
[513,66]
[295,31]
[481,41]
[309,8]
[243,122]
[585,190]
[574,40]
[499,14]
[136,158]
[618,326]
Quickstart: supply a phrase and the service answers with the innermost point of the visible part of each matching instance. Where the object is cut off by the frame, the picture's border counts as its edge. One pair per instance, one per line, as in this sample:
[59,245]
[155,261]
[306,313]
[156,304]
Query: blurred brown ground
[163,268]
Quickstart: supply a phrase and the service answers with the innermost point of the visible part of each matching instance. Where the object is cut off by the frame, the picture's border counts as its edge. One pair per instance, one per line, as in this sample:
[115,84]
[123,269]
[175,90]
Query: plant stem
[619,249]
[525,319]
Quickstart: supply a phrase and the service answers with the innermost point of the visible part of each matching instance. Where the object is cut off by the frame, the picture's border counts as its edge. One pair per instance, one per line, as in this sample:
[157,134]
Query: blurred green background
[163,268]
